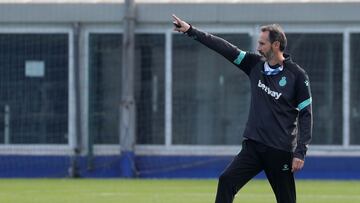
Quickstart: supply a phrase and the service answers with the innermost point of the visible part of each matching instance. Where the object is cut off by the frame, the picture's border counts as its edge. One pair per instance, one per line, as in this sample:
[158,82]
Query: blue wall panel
[162,167]
[181,166]
[33,166]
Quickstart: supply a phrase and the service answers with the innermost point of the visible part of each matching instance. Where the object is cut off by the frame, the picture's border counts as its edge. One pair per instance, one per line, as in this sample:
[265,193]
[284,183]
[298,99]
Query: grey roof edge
[253,12]
[60,13]
[196,13]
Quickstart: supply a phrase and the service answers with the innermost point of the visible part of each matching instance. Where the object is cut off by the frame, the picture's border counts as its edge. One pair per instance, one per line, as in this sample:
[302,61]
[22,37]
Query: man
[279,126]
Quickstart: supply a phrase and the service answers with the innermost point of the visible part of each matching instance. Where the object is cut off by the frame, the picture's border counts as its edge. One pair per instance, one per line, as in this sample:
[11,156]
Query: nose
[258,48]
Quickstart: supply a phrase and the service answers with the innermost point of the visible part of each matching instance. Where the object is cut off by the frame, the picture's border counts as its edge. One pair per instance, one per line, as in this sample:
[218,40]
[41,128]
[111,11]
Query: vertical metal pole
[346,89]
[168,88]
[7,124]
[74,169]
[254,37]
[127,106]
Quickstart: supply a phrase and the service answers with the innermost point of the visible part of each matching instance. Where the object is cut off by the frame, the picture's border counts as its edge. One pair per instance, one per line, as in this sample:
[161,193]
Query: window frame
[48,149]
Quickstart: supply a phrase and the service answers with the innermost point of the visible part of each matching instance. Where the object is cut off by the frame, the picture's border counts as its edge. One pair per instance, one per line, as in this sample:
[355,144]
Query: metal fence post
[127,105]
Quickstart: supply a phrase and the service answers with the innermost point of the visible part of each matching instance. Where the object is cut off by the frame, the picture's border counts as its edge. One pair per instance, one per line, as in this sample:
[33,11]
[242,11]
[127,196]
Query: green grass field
[163,191]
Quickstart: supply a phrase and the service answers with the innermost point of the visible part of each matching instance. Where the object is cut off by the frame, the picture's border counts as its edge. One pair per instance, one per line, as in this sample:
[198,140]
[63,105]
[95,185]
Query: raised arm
[242,59]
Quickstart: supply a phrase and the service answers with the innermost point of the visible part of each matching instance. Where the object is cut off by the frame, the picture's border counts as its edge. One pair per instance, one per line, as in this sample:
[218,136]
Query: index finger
[176,18]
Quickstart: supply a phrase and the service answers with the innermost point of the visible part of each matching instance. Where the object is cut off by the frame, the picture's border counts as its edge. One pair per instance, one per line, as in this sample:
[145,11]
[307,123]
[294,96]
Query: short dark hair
[276,33]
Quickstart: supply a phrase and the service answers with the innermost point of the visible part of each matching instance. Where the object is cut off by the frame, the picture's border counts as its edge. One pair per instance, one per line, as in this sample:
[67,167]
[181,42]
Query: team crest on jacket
[282,82]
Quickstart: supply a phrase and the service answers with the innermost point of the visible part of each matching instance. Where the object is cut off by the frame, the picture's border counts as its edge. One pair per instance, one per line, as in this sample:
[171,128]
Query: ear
[276,45]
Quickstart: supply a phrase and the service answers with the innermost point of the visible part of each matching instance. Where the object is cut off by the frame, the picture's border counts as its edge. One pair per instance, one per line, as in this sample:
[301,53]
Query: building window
[105,61]
[321,56]
[106,81]
[150,88]
[34,88]
[211,96]
[354,89]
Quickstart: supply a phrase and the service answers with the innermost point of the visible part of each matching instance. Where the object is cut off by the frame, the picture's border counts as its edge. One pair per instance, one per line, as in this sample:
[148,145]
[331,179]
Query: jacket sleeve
[304,101]
[244,60]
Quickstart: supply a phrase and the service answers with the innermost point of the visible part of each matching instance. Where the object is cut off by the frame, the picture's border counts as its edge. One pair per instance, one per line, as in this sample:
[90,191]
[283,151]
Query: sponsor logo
[270,92]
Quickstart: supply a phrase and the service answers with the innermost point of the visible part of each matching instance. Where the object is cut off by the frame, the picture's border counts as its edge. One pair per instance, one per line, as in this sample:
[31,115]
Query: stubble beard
[268,55]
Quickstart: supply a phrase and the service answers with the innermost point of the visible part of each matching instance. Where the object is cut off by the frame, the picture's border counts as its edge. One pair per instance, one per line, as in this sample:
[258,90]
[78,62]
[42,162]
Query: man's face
[264,46]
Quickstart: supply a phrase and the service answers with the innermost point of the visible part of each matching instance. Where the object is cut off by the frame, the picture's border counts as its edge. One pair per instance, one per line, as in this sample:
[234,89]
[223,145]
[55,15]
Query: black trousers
[253,158]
